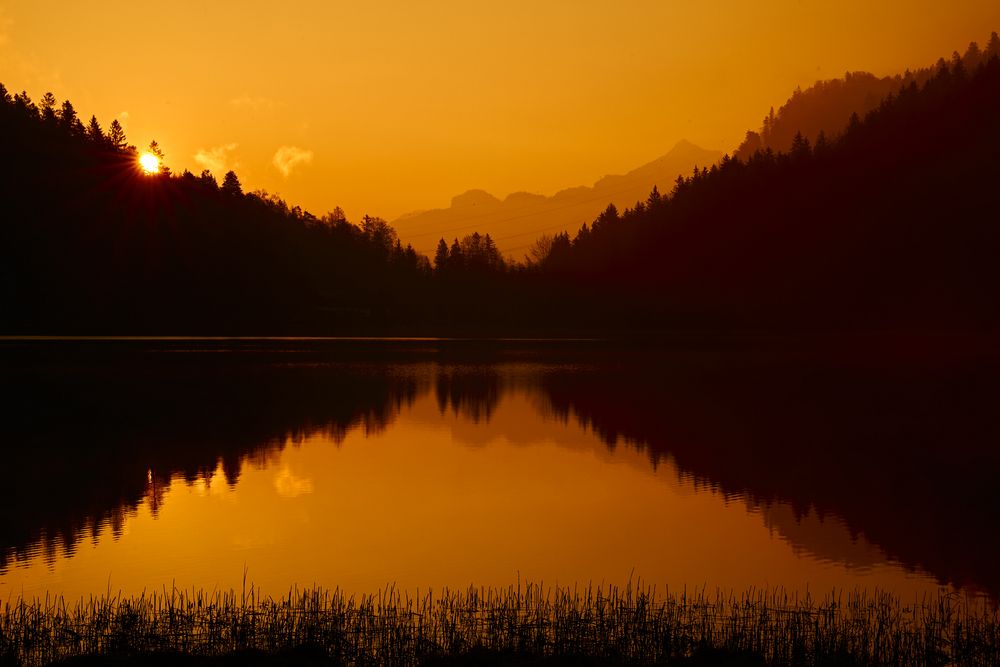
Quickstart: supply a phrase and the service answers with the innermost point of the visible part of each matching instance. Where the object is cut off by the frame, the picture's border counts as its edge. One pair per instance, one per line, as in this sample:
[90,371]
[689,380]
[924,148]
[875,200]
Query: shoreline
[522,624]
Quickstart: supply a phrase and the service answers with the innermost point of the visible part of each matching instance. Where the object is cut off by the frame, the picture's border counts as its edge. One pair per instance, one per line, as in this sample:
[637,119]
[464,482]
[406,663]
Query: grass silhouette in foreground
[526,624]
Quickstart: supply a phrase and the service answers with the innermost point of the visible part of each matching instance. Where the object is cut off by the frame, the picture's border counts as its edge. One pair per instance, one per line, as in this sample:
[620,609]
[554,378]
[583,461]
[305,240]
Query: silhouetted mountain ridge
[885,226]
[514,221]
[90,244]
[826,106]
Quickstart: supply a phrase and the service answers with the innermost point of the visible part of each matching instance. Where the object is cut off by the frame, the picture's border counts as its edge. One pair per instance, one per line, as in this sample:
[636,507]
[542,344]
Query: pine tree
[231,184]
[456,258]
[94,131]
[493,259]
[993,47]
[607,217]
[800,148]
[853,123]
[154,148]
[654,199]
[972,56]
[116,136]
[957,67]
[768,127]
[47,107]
[441,256]
[207,180]
[68,118]
[822,146]
[22,102]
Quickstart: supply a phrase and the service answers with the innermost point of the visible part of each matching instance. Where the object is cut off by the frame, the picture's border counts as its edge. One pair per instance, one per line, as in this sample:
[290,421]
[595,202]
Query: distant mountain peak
[514,220]
[680,159]
[475,197]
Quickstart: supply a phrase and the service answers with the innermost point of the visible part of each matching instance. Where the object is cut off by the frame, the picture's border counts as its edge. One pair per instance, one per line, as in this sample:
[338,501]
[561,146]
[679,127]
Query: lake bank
[520,624]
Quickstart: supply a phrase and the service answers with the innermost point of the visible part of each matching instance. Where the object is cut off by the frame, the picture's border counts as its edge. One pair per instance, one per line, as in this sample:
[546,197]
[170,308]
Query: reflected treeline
[903,451]
[91,431]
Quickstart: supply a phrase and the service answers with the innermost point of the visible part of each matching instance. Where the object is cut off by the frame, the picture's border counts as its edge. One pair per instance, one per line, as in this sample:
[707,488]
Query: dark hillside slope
[91,245]
[826,106]
[894,225]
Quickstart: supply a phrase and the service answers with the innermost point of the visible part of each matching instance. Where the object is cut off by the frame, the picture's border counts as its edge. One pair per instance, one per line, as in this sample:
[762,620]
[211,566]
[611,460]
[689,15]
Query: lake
[824,465]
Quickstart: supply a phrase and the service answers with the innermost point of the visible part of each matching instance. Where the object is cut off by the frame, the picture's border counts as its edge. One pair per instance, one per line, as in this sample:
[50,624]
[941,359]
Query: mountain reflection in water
[836,451]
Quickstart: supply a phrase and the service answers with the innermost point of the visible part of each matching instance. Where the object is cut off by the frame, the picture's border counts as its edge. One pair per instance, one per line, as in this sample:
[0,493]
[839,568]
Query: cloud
[254,103]
[217,159]
[287,157]
[290,486]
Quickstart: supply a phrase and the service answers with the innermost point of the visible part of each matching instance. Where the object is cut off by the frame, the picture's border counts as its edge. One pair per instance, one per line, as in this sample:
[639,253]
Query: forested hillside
[826,107]
[889,225]
[91,244]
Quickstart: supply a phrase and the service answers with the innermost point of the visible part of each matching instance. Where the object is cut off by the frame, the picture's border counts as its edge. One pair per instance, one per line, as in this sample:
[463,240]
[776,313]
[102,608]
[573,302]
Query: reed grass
[628,625]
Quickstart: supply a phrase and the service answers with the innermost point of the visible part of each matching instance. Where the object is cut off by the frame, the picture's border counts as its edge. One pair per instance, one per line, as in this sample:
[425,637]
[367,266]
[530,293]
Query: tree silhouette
[540,250]
[47,107]
[68,119]
[441,256]
[992,48]
[116,136]
[94,131]
[456,258]
[800,148]
[379,233]
[231,185]
[207,180]
[852,228]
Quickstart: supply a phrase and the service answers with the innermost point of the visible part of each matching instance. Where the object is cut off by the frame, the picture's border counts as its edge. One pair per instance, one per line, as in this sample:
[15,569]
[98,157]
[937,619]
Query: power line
[534,231]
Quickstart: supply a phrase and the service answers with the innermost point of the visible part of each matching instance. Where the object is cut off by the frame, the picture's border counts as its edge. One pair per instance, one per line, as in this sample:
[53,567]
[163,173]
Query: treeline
[157,416]
[91,244]
[904,453]
[892,224]
[826,107]
[889,224]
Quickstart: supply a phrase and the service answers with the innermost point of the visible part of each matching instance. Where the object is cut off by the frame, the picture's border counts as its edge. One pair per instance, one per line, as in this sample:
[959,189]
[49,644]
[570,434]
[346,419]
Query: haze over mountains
[883,224]
[516,221]
[826,106]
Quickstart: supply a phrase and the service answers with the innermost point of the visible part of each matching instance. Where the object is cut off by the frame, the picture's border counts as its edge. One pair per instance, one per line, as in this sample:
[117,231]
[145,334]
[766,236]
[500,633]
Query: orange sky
[390,106]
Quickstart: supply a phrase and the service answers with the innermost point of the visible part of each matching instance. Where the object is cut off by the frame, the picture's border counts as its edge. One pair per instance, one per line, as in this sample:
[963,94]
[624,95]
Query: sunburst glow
[149,163]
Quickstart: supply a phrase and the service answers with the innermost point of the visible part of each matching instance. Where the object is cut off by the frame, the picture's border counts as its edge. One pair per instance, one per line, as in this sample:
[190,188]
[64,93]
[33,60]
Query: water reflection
[862,461]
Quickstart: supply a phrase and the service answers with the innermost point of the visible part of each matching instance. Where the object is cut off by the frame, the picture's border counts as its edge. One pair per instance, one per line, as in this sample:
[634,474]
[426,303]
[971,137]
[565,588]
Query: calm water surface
[137,466]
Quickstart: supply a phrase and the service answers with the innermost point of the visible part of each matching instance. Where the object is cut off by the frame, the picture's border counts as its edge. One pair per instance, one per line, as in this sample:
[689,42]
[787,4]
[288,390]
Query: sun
[149,163]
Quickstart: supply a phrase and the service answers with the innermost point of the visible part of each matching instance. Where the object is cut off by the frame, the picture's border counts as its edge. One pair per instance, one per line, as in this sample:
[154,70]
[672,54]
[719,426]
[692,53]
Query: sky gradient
[385,107]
